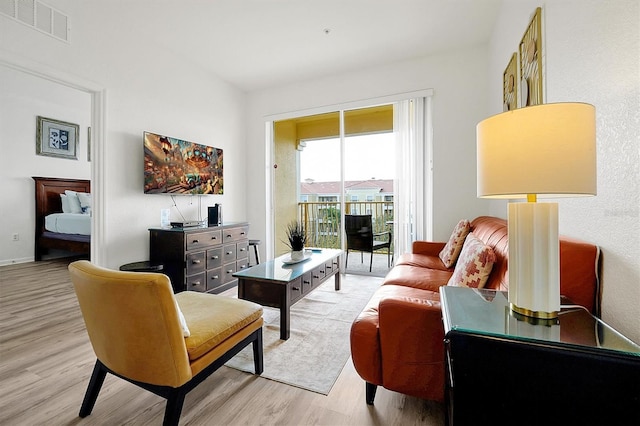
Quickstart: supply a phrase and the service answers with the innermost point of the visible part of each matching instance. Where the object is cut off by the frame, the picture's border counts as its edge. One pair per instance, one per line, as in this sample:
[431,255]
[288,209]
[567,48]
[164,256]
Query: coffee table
[279,285]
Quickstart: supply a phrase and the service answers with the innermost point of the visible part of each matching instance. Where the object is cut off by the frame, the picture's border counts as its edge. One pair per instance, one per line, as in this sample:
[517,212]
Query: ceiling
[256,44]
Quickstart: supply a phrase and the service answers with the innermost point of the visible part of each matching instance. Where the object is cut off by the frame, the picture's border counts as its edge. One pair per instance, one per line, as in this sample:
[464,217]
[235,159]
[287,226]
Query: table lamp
[543,151]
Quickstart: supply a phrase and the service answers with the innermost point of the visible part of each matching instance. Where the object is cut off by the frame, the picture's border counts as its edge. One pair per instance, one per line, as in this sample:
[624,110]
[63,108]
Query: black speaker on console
[215,215]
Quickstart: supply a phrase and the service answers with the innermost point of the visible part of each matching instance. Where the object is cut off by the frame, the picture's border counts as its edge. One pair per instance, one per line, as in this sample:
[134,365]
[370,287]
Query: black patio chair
[360,237]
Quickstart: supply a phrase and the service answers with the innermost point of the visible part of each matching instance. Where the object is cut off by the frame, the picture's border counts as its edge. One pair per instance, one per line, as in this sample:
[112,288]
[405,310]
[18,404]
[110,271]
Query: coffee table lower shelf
[278,285]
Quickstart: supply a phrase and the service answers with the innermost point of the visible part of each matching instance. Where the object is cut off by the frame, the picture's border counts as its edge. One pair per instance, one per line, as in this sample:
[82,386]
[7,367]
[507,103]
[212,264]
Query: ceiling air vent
[38,16]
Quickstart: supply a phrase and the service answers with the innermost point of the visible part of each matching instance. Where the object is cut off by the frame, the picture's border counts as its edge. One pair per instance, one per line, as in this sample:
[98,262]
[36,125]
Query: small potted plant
[296,239]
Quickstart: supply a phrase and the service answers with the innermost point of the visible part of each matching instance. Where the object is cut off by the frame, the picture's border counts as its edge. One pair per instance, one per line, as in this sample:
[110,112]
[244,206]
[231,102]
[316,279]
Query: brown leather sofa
[397,340]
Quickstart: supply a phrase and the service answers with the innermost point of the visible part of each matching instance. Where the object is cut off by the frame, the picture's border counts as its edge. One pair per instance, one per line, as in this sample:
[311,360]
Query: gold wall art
[531,62]
[509,85]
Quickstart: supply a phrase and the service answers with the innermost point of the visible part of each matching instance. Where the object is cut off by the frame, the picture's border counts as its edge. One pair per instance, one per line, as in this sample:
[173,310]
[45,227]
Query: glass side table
[504,368]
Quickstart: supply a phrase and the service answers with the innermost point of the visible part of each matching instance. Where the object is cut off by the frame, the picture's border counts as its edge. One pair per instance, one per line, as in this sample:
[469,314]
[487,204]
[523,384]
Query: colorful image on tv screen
[179,167]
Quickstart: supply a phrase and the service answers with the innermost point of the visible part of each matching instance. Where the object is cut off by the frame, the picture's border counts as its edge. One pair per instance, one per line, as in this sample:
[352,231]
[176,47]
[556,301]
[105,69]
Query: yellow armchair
[134,325]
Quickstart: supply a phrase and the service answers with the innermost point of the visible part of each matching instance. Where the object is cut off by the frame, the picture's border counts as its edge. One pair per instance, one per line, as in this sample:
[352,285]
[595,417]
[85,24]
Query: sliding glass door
[353,162]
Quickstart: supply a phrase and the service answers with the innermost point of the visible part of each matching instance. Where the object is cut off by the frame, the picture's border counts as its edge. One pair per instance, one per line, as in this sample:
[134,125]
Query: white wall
[459,102]
[23,97]
[147,88]
[592,51]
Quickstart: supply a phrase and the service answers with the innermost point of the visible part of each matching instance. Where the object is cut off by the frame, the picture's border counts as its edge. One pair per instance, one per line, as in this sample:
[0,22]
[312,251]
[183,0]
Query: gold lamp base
[533,314]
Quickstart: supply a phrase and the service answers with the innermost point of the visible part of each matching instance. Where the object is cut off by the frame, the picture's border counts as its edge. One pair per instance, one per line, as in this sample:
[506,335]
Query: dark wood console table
[504,369]
[201,258]
[275,284]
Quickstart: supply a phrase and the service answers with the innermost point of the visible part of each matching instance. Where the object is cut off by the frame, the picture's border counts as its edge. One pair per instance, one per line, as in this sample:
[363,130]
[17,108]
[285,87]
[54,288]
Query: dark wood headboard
[48,192]
[48,201]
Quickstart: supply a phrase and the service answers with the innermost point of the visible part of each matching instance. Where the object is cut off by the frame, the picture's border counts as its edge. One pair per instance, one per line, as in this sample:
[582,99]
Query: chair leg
[346,259]
[371,262]
[175,401]
[370,392]
[388,257]
[257,353]
[95,383]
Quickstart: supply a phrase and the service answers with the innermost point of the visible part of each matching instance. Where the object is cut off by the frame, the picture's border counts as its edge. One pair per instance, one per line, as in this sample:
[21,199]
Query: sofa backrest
[493,232]
[579,263]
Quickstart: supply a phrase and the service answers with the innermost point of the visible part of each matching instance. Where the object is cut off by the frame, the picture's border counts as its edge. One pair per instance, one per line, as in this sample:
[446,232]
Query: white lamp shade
[548,150]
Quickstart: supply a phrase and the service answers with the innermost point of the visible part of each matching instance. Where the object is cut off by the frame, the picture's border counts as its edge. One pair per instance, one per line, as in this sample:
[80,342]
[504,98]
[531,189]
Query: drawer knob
[195,241]
[242,233]
[215,277]
[242,249]
[195,262]
[295,288]
[306,282]
[195,283]
[214,257]
[230,271]
[228,235]
[316,276]
[229,252]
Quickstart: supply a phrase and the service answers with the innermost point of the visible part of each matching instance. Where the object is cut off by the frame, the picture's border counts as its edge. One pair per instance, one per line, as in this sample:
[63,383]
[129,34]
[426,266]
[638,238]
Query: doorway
[335,164]
[408,120]
[97,113]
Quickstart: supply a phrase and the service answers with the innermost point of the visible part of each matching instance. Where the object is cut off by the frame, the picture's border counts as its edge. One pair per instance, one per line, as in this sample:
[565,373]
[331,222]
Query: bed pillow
[65,204]
[451,250]
[474,265]
[74,201]
[85,202]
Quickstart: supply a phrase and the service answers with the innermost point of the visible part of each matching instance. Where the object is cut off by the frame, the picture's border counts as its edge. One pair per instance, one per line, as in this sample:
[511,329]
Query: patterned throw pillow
[451,250]
[474,265]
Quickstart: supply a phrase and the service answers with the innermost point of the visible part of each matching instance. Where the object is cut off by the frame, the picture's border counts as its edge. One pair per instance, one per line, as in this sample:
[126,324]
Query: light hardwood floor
[46,360]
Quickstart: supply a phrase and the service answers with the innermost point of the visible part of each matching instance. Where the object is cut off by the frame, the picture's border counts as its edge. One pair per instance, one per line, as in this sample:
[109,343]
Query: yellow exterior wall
[286,187]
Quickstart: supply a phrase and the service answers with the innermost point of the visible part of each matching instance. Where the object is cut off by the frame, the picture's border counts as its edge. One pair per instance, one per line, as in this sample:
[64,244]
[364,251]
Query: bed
[62,233]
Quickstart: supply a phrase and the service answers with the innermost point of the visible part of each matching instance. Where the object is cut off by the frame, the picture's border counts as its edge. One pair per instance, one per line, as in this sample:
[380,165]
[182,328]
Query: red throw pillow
[451,250]
[474,265]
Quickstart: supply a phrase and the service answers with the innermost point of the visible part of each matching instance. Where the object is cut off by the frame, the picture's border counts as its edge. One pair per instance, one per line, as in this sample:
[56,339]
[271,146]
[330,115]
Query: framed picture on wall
[531,62]
[510,85]
[55,138]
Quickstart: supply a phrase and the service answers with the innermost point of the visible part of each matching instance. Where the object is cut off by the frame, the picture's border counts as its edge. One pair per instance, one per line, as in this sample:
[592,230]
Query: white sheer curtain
[412,186]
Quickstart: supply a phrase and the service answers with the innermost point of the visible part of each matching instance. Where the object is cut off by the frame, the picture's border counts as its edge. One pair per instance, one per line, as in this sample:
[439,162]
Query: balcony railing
[322,219]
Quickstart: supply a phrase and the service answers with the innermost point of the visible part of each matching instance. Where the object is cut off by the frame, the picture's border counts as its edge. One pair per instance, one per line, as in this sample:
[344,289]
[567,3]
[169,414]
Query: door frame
[270,147]
[98,130]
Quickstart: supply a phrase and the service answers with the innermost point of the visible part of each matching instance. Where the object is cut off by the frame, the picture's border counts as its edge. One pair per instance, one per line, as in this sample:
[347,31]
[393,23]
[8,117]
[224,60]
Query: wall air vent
[38,16]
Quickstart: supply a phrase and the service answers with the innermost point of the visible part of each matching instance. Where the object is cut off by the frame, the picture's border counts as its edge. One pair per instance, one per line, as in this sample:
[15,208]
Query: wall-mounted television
[176,166]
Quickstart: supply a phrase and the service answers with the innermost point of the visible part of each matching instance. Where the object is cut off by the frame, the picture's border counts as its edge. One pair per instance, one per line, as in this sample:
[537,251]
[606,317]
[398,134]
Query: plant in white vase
[296,239]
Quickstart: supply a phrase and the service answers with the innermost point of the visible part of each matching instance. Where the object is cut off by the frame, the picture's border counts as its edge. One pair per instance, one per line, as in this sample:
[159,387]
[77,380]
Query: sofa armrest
[411,343]
[430,248]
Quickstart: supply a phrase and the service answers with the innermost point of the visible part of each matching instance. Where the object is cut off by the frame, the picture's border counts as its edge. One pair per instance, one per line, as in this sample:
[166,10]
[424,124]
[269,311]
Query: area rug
[313,357]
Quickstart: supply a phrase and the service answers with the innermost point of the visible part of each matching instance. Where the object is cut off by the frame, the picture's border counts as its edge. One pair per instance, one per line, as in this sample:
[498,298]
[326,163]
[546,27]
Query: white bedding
[68,223]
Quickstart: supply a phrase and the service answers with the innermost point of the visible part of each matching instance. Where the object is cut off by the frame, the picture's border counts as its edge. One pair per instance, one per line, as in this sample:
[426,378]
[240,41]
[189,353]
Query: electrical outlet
[15,237]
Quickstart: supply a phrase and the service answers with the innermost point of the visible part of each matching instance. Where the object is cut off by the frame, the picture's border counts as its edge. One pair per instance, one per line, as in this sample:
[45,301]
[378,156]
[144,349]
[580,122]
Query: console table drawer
[306,283]
[214,258]
[317,275]
[214,278]
[242,250]
[196,262]
[229,253]
[227,272]
[242,264]
[197,282]
[200,240]
[328,267]
[235,234]
[295,290]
